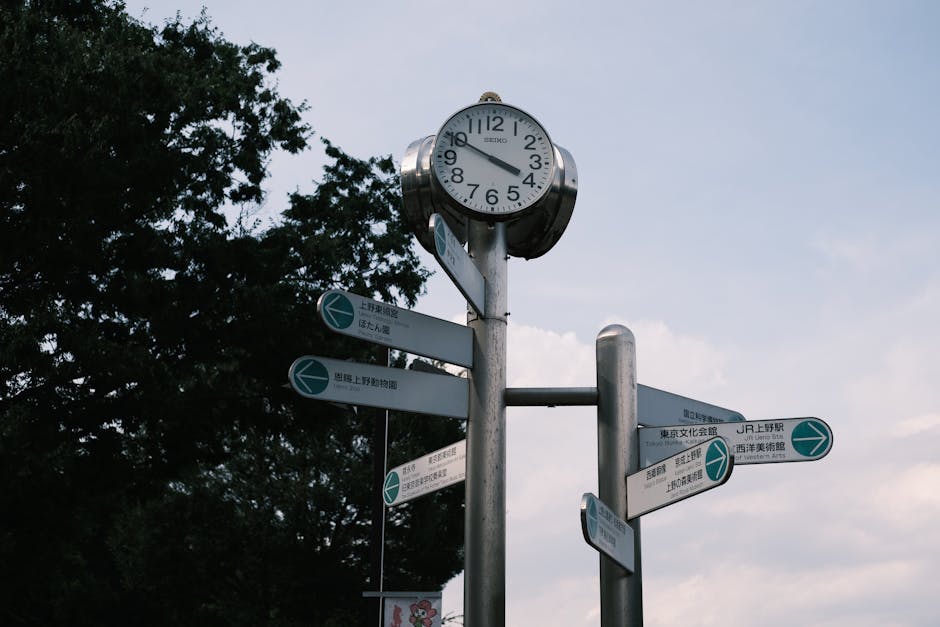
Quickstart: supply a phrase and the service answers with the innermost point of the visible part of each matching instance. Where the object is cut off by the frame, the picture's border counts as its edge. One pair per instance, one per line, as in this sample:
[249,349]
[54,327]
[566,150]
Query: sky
[759,202]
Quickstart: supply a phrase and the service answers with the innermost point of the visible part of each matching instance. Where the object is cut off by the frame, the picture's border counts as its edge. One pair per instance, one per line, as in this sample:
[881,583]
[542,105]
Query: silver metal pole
[617,455]
[484,588]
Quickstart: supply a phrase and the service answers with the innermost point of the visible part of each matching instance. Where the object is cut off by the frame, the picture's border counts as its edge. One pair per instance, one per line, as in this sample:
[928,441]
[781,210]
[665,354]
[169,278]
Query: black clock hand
[492,159]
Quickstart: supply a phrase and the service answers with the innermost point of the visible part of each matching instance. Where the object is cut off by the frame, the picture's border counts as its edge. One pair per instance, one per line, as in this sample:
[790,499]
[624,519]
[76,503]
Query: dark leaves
[153,467]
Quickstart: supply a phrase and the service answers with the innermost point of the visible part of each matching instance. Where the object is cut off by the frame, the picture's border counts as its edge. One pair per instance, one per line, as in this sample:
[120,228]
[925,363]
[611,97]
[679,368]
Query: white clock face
[493,159]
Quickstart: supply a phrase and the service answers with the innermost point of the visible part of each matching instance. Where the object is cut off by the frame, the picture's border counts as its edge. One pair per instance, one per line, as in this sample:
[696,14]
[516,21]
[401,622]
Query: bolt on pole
[485,515]
[618,455]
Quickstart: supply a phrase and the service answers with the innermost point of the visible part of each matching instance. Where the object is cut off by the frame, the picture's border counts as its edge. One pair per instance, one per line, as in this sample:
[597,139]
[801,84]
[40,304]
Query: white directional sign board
[403,329]
[376,386]
[432,472]
[751,442]
[457,263]
[607,532]
[690,472]
[658,408]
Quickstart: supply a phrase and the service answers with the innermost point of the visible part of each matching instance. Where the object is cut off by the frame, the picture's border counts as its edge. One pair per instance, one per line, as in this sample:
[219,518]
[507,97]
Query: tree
[153,467]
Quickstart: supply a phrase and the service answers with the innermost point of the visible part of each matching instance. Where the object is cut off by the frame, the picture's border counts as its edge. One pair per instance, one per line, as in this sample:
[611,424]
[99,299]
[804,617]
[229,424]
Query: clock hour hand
[491,158]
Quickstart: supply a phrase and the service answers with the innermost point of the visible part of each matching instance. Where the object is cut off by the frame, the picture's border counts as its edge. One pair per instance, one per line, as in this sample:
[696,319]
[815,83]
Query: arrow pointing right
[809,437]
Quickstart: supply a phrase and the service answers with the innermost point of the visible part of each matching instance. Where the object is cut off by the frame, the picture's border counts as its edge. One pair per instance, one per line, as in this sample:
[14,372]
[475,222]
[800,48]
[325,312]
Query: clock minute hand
[506,166]
[491,158]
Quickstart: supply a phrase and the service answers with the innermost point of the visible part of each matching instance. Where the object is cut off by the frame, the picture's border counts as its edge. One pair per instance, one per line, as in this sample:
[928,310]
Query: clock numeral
[492,196]
[474,186]
[458,139]
[529,180]
[513,192]
[493,123]
[530,142]
[450,157]
[536,160]
[456,175]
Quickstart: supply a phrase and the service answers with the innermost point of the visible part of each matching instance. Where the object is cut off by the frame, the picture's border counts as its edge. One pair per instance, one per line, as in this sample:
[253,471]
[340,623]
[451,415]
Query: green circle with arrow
[716,460]
[337,311]
[811,438]
[391,488]
[592,518]
[440,237]
[310,376]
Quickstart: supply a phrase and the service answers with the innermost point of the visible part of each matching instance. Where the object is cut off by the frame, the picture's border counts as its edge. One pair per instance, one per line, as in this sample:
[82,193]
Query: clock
[492,161]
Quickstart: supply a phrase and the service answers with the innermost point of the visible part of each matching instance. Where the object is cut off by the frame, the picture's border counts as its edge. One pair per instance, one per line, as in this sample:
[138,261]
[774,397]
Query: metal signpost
[377,386]
[426,474]
[751,442]
[492,178]
[694,470]
[388,325]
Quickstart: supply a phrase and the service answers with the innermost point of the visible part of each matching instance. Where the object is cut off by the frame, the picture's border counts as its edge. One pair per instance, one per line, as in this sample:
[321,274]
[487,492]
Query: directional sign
[657,408]
[389,325]
[432,472]
[457,263]
[377,386]
[694,470]
[607,532]
[751,442]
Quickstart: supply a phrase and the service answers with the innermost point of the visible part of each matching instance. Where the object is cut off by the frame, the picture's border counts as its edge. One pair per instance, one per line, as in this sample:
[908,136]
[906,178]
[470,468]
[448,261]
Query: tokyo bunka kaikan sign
[751,442]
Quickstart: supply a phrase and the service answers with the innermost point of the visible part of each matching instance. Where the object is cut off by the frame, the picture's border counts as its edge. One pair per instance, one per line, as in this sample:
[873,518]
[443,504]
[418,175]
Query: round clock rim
[457,204]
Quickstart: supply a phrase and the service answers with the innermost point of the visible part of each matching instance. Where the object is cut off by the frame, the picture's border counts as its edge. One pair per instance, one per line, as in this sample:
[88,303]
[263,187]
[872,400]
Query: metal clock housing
[492,161]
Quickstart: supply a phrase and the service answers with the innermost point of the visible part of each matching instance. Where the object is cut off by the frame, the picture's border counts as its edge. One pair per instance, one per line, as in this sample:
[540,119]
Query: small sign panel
[388,325]
[656,408]
[607,532]
[402,610]
[457,263]
[376,386]
[429,473]
[690,472]
[751,442]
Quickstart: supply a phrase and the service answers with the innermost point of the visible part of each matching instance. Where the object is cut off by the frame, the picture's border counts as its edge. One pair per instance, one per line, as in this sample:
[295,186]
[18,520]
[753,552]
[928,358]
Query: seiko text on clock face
[493,159]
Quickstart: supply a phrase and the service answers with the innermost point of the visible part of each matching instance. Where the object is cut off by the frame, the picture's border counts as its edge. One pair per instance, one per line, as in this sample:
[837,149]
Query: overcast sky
[759,201]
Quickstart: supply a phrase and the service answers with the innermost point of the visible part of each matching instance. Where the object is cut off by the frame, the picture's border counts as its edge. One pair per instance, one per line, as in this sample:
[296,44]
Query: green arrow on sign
[311,376]
[592,518]
[810,438]
[716,460]
[338,311]
[440,238]
[392,485]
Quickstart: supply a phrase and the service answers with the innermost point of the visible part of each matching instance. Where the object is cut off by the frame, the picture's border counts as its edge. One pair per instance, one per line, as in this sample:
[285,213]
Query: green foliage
[153,467]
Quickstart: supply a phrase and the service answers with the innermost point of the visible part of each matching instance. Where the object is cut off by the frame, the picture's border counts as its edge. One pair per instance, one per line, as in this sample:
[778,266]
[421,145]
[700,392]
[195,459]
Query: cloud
[675,362]
[541,358]
[734,594]
[917,425]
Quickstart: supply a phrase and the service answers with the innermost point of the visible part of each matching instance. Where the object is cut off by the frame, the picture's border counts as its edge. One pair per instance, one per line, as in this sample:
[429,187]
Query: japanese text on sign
[354,379]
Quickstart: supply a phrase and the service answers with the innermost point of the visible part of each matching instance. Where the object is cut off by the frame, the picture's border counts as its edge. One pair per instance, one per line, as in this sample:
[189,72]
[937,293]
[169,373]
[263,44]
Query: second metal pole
[617,455]
[485,517]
